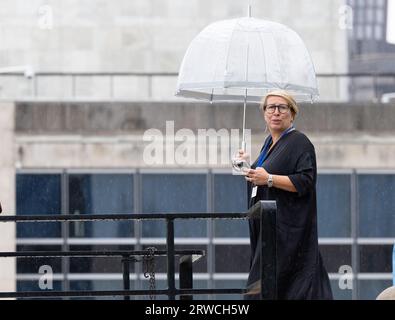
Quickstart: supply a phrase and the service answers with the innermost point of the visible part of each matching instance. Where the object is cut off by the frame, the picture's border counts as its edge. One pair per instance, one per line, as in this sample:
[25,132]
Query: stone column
[7,195]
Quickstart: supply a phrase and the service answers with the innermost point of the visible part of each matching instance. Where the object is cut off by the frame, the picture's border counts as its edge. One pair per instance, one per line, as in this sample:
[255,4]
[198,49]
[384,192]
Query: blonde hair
[283,94]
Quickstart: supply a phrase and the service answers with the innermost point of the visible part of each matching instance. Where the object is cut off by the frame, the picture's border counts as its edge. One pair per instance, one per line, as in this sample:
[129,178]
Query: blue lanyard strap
[265,151]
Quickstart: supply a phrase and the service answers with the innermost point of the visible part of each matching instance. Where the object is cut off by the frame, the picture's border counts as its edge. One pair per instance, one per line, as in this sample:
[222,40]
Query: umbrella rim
[236,98]
[206,91]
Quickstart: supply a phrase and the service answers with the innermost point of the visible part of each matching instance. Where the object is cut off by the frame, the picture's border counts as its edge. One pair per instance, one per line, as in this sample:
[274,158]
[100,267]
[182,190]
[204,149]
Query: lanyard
[264,154]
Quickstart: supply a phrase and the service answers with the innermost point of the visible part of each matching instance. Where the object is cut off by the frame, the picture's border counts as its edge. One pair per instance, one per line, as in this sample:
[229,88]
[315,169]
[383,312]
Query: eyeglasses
[271,108]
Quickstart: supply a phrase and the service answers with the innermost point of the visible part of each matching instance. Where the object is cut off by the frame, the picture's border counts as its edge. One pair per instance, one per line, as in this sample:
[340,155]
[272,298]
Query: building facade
[74,141]
[88,168]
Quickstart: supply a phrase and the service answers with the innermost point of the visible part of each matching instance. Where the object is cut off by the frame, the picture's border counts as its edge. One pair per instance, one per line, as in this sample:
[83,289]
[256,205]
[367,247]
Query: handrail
[122,216]
[103,253]
[174,74]
[263,210]
[114,293]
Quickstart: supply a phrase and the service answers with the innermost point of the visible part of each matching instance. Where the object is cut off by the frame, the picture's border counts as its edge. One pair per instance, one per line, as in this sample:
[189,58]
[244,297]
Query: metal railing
[263,210]
[148,85]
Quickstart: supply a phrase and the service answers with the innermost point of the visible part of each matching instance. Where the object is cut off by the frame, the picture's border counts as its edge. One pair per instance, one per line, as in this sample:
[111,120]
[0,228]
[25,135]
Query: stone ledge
[102,118]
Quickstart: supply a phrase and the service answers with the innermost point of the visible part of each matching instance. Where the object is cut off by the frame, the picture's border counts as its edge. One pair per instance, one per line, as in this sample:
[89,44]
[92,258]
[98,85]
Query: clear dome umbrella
[242,60]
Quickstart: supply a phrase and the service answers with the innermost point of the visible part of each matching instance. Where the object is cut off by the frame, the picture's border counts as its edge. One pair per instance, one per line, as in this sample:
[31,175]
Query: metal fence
[263,210]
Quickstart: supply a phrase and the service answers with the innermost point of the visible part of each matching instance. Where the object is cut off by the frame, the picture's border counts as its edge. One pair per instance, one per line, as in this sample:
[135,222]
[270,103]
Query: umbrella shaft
[243,143]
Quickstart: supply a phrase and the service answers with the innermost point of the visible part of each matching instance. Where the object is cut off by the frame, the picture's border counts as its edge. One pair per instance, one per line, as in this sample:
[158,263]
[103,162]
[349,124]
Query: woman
[286,172]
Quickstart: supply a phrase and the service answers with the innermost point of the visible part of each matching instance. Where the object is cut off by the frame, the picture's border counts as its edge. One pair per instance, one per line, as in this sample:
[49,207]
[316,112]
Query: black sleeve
[304,177]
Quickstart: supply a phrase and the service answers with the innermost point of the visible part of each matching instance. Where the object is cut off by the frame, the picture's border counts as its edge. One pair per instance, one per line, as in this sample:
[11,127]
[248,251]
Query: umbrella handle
[243,145]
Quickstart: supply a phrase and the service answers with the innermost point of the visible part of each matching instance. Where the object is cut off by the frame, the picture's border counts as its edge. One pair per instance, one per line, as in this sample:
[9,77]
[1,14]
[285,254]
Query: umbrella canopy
[243,59]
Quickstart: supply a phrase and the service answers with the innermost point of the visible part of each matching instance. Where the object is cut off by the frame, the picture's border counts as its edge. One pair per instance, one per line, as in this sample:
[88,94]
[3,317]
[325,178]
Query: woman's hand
[243,155]
[257,176]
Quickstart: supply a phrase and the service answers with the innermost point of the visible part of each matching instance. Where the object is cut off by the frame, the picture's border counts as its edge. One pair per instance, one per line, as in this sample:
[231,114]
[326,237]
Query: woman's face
[281,117]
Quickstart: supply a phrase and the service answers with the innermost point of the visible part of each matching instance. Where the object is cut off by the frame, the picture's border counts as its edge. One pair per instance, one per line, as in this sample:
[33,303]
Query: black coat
[301,273]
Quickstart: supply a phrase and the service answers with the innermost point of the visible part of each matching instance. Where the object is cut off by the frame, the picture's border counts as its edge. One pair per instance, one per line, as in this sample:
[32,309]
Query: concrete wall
[7,195]
[148,35]
[100,135]
[144,36]
[109,118]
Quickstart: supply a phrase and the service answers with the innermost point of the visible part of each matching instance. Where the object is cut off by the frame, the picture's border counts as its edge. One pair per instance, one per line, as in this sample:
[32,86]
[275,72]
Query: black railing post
[186,277]
[267,237]
[126,275]
[171,283]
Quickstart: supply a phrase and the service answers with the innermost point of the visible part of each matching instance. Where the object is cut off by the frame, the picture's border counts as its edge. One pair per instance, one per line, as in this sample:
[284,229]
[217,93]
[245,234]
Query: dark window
[376,205]
[338,292]
[105,285]
[32,265]
[98,264]
[33,285]
[230,195]
[370,289]
[335,256]
[229,284]
[101,194]
[375,258]
[38,194]
[333,205]
[174,193]
[232,258]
